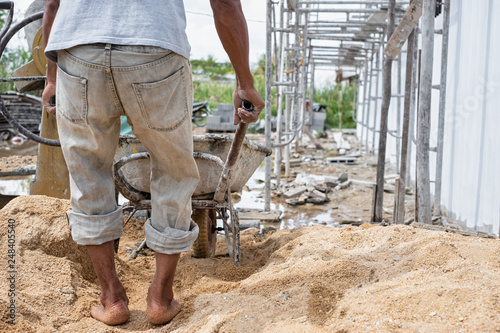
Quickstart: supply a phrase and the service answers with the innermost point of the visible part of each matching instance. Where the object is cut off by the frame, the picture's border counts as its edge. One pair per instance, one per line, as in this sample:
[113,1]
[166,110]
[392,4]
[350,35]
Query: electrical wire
[210,15]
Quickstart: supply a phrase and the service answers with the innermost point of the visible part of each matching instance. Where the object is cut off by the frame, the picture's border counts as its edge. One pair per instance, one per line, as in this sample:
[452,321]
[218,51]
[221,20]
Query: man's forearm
[51,7]
[233,33]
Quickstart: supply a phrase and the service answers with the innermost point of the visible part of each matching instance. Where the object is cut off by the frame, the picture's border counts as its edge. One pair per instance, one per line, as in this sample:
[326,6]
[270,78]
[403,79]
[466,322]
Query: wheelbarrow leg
[236,237]
[227,234]
[135,252]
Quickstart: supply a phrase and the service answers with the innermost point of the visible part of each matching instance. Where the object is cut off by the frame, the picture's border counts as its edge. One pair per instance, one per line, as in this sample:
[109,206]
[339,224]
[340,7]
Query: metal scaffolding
[361,38]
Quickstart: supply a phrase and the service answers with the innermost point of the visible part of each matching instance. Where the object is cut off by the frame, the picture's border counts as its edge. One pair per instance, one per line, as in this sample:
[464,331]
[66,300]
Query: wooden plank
[384,116]
[404,29]
[451,230]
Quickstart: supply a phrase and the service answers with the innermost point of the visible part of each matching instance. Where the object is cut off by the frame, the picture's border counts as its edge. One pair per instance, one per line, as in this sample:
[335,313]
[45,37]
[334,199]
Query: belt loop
[107,54]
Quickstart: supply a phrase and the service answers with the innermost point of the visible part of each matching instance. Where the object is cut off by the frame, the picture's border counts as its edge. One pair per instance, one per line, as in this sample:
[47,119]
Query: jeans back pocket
[71,97]
[163,103]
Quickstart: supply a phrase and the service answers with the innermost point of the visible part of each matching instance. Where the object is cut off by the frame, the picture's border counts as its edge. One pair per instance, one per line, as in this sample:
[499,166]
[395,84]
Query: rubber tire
[205,245]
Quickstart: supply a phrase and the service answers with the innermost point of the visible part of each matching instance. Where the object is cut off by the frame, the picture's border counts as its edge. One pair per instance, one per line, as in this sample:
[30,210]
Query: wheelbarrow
[225,165]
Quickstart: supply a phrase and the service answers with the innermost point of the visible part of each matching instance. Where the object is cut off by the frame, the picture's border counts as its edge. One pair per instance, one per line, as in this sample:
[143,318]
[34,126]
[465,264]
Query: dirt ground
[316,278]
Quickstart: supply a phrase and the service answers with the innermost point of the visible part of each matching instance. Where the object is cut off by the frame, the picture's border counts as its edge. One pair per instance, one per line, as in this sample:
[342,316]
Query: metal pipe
[367,122]
[442,108]
[365,86]
[288,101]
[348,2]
[375,113]
[424,112]
[267,192]
[296,75]
[342,10]
[279,78]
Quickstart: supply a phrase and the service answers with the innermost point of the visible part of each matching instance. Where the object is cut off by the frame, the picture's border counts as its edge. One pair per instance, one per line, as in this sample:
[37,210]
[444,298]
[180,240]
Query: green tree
[12,58]
[331,95]
[211,68]
[10,61]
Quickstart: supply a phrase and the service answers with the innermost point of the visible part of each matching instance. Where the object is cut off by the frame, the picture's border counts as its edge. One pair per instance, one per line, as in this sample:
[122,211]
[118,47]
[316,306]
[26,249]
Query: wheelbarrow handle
[234,153]
[6,4]
[239,136]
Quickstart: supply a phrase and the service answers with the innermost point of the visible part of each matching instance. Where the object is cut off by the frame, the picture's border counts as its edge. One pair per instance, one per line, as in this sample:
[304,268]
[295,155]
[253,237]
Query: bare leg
[114,308]
[162,306]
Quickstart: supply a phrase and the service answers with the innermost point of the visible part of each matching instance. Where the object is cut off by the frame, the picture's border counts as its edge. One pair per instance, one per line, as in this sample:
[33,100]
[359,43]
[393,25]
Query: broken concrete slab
[322,187]
[317,194]
[294,192]
[259,214]
[248,224]
[344,185]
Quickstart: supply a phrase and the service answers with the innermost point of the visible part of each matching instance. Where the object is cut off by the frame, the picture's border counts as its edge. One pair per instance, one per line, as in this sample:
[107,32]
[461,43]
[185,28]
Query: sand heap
[312,279]
[51,274]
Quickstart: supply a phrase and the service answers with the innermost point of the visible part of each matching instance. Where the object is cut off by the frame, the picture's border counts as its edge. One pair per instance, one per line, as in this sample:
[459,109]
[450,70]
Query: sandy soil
[310,279]
[11,163]
[315,279]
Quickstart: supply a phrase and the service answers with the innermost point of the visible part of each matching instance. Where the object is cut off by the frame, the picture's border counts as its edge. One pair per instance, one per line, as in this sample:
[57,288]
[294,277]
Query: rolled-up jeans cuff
[95,229]
[170,241]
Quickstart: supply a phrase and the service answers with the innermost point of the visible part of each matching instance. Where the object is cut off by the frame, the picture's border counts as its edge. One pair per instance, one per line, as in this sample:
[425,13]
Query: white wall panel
[471,166]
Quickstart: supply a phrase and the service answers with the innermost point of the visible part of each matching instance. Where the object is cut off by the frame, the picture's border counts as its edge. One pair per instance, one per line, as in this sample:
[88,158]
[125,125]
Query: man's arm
[233,33]
[51,7]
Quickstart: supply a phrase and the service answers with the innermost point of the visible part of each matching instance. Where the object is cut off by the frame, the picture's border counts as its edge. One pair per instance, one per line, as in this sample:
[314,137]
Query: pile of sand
[309,279]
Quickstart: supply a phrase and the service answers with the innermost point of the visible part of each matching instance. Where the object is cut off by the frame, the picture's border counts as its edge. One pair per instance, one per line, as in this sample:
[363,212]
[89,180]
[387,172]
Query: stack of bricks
[222,119]
[318,121]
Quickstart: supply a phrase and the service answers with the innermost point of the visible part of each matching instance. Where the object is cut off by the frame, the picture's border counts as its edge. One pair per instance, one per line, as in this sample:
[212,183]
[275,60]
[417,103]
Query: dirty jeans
[95,85]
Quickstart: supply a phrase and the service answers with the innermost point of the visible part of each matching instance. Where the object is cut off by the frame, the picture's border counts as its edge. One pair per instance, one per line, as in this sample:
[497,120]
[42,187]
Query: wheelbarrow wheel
[205,245]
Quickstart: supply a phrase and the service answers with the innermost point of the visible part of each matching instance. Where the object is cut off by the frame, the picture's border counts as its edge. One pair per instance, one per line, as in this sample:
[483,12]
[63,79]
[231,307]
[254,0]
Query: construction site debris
[343,177]
[294,192]
[342,144]
[344,185]
[341,159]
[451,230]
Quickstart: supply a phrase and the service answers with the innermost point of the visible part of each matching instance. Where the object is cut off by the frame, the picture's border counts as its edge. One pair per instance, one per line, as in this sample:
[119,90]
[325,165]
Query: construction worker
[130,58]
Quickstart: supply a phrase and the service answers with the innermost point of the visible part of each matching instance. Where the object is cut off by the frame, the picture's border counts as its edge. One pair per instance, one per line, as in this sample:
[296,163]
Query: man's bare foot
[162,306]
[115,314]
[160,314]
[114,300]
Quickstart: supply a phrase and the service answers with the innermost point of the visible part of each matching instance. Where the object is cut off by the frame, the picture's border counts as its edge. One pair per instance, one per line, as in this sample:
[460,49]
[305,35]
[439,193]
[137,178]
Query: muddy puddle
[252,197]
[11,187]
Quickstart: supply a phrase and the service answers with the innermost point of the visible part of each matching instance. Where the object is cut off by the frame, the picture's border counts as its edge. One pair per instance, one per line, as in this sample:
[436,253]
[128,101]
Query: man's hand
[251,95]
[233,33]
[49,93]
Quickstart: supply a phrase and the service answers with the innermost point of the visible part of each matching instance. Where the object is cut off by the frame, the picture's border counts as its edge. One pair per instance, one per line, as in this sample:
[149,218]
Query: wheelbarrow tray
[137,173]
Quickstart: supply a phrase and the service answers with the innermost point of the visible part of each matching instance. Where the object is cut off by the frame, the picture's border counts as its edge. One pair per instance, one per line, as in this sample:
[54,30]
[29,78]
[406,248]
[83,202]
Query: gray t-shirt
[159,23]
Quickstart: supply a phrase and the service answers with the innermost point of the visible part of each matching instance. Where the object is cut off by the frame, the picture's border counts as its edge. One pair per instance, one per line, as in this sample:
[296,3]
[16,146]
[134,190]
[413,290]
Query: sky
[201,31]
[205,41]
